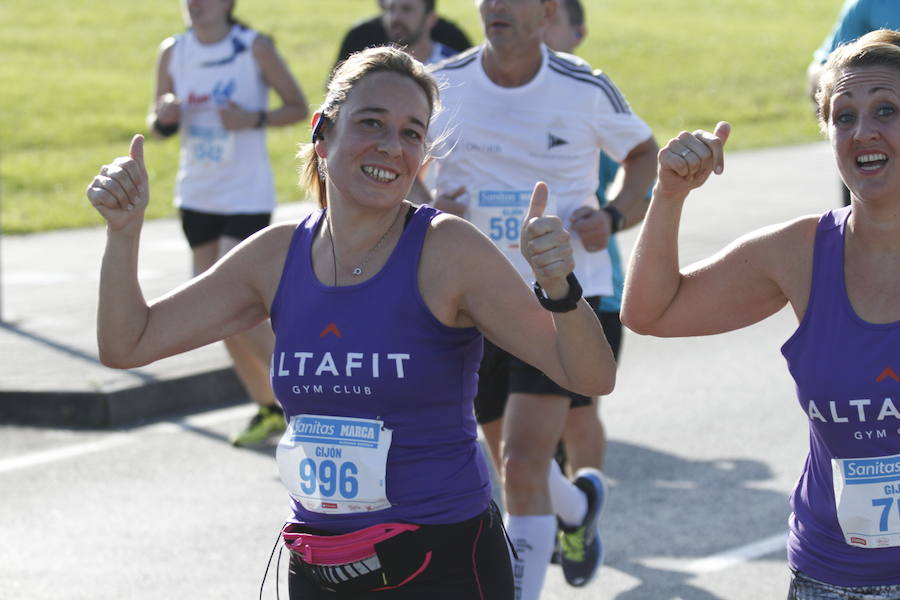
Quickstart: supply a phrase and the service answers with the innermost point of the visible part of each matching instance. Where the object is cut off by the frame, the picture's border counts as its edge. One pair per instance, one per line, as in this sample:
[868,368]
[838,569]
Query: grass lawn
[76,81]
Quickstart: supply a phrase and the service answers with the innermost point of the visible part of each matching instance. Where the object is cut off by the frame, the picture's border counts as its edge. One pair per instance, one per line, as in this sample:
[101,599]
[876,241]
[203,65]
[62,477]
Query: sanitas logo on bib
[334,430]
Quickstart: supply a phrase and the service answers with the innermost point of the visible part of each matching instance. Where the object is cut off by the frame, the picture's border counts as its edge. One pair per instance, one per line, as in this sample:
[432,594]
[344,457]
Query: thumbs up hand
[687,161]
[121,191]
[546,246]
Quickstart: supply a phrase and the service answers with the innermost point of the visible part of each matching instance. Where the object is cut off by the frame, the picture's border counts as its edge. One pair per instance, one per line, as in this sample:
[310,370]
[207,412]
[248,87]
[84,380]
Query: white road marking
[65,452]
[114,440]
[730,558]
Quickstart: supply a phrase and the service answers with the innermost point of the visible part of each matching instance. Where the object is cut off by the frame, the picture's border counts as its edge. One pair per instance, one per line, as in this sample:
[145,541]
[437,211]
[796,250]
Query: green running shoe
[265,424]
[580,547]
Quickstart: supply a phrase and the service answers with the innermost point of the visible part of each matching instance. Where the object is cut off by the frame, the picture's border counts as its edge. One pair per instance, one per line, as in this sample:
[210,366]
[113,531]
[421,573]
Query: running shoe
[580,547]
[268,422]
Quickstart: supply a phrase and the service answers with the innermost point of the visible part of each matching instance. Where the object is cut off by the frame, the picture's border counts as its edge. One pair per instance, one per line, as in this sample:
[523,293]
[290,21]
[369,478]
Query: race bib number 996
[335,465]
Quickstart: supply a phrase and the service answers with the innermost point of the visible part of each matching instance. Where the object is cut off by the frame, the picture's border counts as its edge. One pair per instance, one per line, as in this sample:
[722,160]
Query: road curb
[129,406]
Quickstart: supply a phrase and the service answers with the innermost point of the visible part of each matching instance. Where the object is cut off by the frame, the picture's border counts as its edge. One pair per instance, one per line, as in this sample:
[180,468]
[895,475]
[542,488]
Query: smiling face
[376,145]
[509,24]
[864,129]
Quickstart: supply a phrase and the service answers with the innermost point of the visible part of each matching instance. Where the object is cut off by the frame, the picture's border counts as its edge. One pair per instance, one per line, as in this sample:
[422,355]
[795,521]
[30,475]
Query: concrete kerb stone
[129,406]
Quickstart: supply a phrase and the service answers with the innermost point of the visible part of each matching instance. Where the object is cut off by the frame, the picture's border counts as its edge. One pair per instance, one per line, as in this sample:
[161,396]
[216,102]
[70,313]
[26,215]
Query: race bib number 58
[335,465]
[499,215]
[867,493]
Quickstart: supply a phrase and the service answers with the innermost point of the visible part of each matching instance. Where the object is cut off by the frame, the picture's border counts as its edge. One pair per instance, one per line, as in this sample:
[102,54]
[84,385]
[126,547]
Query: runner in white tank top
[212,85]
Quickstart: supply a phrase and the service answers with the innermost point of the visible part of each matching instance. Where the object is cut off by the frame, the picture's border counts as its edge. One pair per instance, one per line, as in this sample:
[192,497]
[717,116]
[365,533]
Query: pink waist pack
[329,550]
[352,563]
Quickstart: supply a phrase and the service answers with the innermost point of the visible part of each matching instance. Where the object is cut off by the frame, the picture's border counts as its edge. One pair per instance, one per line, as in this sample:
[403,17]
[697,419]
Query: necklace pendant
[357,271]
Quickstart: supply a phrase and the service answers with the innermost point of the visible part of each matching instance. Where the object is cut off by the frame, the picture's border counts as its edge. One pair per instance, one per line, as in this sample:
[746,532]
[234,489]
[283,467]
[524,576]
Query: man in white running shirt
[515,112]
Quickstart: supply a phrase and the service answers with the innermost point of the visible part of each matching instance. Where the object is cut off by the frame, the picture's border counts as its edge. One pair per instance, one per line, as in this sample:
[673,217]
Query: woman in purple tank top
[378,308]
[841,275]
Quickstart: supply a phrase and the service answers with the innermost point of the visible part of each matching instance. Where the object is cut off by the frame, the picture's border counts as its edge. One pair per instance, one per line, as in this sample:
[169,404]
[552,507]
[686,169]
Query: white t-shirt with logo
[221,171]
[498,141]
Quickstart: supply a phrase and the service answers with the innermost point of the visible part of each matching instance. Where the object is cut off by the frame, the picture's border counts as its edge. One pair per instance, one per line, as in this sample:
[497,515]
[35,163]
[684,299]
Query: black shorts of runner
[200,227]
[469,561]
[502,374]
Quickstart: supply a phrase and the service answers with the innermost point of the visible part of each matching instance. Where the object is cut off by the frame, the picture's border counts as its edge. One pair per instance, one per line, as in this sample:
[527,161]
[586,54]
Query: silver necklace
[360,269]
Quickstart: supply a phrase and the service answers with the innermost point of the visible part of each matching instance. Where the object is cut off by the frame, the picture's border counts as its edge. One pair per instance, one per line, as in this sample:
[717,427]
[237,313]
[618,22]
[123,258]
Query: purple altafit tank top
[375,351]
[845,526]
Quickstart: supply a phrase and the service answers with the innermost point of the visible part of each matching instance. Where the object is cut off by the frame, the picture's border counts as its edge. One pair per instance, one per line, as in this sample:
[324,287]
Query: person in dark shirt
[371,32]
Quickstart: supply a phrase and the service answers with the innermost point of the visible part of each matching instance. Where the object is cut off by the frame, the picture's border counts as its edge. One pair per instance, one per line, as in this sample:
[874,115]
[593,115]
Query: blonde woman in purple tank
[840,273]
[404,540]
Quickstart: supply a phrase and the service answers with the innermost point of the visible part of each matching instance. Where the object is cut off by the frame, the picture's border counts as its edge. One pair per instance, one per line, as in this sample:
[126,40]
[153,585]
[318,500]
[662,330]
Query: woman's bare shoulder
[455,237]
[786,254]
[165,46]
[789,238]
[275,237]
[267,248]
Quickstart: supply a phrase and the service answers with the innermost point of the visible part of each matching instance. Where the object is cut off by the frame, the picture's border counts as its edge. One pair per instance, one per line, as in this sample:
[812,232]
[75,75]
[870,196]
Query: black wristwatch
[262,119]
[566,304]
[616,217]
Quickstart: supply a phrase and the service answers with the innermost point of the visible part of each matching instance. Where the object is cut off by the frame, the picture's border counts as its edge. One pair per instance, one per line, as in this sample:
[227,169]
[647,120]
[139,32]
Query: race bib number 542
[335,464]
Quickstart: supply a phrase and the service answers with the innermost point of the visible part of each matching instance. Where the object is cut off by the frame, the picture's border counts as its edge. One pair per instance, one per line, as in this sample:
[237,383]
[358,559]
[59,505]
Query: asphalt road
[706,442]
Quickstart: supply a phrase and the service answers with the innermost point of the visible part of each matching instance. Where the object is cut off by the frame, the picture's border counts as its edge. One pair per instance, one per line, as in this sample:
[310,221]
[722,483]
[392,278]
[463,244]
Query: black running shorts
[502,374]
[201,228]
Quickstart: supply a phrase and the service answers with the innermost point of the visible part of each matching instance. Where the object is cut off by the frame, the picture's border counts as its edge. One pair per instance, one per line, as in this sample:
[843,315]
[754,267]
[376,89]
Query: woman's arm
[467,281]
[277,75]
[164,115]
[734,288]
[639,171]
[594,225]
[227,299]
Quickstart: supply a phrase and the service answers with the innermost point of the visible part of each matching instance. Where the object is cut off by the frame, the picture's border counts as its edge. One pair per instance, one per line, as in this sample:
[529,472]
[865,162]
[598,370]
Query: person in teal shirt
[858,17]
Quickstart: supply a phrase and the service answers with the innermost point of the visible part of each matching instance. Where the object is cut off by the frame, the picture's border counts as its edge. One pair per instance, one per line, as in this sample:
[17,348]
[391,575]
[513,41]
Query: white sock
[532,537]
[569,502]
